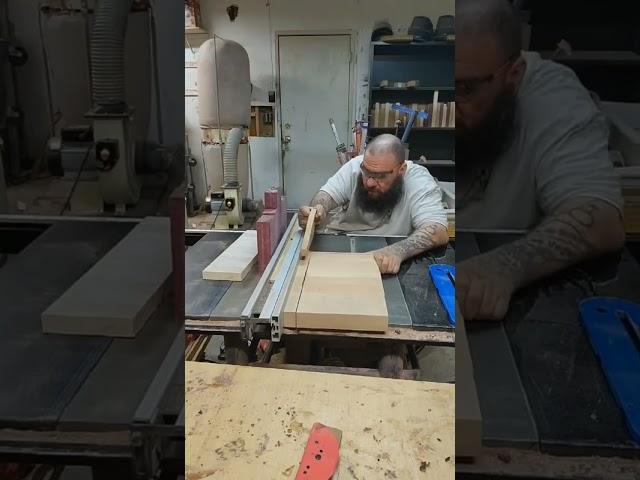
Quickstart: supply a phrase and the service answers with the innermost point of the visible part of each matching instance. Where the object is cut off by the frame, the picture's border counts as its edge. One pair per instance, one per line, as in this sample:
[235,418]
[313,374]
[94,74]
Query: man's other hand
[388,261]
[483,288]
[303,215]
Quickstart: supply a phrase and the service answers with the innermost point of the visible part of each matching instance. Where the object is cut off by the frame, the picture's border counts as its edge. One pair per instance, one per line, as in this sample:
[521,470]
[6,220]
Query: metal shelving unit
[432,63]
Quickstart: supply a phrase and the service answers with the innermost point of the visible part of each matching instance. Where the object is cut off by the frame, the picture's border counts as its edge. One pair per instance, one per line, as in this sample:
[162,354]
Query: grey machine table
[415,311]
[79,399]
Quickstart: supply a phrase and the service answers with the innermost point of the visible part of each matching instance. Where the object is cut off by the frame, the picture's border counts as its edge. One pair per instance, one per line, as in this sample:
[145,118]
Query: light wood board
[246,422]
[235,262]
[342,291]
[468,417]
[308,234]
[118,294]
[293,297]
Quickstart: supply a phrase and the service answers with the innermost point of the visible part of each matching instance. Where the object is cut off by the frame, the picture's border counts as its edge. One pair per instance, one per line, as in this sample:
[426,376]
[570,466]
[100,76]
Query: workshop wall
[255,28]
[65,47]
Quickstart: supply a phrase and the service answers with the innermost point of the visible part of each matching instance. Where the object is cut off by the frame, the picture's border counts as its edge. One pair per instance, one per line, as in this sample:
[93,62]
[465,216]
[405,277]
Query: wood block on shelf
[272,198]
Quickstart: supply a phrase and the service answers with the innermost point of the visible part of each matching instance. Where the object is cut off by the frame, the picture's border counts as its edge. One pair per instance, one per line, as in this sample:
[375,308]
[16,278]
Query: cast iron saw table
[106,402]
[544,399]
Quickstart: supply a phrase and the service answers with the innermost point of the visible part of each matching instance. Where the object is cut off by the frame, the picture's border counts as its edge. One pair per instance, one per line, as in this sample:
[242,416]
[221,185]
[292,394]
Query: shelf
[419,89]
[195,31]
[440,43]
[437,163]
[414,129]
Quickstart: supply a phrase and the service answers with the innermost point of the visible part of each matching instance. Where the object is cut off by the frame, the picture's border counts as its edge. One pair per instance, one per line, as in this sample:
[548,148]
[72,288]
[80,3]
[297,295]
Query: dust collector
[224,101]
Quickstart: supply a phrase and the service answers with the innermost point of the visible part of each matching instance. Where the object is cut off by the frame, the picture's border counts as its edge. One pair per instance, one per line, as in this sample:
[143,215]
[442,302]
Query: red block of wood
[276,218]
[266,227]
[272,199]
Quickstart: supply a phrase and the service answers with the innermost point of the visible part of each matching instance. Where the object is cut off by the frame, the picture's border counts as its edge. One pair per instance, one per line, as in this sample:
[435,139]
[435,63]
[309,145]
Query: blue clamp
[443,277]
[613,328]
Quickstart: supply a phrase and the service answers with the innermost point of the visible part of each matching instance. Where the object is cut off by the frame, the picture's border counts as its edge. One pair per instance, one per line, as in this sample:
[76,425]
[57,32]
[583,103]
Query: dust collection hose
[230,157]
[107,52]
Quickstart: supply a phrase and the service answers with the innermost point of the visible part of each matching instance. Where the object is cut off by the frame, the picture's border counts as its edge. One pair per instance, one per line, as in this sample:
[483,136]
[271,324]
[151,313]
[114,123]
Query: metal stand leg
[236,350]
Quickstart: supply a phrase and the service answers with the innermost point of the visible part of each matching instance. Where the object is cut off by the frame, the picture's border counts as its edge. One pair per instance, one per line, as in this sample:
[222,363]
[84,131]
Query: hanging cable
[67,203]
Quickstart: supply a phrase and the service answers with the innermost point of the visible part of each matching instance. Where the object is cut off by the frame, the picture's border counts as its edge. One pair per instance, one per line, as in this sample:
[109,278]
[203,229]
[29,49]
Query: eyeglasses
[467,89]
[377,176]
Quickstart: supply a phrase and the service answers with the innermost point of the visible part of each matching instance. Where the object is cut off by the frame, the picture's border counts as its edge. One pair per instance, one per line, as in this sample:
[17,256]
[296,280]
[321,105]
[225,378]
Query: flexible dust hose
[230,157]
[107,52]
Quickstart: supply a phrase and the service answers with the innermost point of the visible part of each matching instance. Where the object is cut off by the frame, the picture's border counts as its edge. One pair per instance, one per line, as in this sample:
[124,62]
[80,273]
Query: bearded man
[381,193]
[531,154]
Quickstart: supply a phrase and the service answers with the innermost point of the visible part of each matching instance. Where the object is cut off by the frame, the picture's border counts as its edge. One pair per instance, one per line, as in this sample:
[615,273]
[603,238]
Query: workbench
[415,311]
[247,422]
[542,393]
[78,399]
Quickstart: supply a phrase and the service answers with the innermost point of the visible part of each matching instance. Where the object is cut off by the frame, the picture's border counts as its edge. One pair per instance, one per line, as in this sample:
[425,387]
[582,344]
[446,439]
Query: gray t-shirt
[420,204]
[559,152]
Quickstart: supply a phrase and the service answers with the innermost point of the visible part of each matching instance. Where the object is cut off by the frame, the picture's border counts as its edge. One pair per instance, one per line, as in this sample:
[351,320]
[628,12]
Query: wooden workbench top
[246,423]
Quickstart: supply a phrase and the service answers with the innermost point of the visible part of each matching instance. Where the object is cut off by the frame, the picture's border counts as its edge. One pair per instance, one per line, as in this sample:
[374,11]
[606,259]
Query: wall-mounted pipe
[107,53]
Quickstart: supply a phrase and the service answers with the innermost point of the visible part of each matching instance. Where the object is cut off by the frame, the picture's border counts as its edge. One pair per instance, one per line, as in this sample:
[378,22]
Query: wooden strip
[118,294]
[468,417]
[308,234]
[293,297]
[235,262]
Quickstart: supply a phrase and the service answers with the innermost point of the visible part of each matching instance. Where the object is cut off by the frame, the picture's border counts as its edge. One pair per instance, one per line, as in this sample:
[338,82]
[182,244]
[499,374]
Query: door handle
[285,143]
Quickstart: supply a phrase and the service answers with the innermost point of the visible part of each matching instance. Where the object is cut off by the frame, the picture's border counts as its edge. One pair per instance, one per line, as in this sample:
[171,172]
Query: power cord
[75,182]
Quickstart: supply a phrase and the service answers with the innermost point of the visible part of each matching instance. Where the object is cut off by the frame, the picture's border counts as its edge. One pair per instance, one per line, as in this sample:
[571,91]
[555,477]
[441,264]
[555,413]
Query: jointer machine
[250,310]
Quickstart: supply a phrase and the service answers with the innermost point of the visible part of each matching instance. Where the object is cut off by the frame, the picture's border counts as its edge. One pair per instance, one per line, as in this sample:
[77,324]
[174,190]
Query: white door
[314,86]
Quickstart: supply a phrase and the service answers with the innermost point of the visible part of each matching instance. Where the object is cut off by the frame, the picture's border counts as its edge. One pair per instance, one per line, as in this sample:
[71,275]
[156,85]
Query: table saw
[544,400]
[249,309]
[112,403]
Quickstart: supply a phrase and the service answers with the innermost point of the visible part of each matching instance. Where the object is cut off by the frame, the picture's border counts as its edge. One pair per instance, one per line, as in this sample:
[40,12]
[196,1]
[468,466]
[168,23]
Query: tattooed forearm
[421,240]
[575,233]
[324,199]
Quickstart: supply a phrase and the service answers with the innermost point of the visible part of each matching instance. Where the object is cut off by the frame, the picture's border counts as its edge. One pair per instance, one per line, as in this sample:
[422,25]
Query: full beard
[381,203]
[481,146]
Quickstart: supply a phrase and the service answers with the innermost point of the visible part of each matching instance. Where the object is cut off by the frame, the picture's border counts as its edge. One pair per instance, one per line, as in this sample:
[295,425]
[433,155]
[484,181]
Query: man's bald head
[386,144]
[494,18]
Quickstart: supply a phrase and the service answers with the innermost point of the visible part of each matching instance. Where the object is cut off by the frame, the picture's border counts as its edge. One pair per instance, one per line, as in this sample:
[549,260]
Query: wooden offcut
[119,293]
[235,262]
[468,417]
[293,296]
[253,423]
[342,291]
[308,233]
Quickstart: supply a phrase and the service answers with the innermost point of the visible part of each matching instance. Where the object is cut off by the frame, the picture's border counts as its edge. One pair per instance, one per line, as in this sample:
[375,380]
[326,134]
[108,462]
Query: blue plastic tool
[443,277]
[413,114]
[613,328]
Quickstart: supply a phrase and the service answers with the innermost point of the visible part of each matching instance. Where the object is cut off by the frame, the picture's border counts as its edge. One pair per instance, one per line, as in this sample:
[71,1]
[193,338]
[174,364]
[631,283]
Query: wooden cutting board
[342,291]
[253,423]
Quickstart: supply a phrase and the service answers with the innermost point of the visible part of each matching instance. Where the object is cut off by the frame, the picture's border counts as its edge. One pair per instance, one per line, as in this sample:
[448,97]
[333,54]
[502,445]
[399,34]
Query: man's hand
[581,228]
[388,260]
[303,215]
[483,288]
